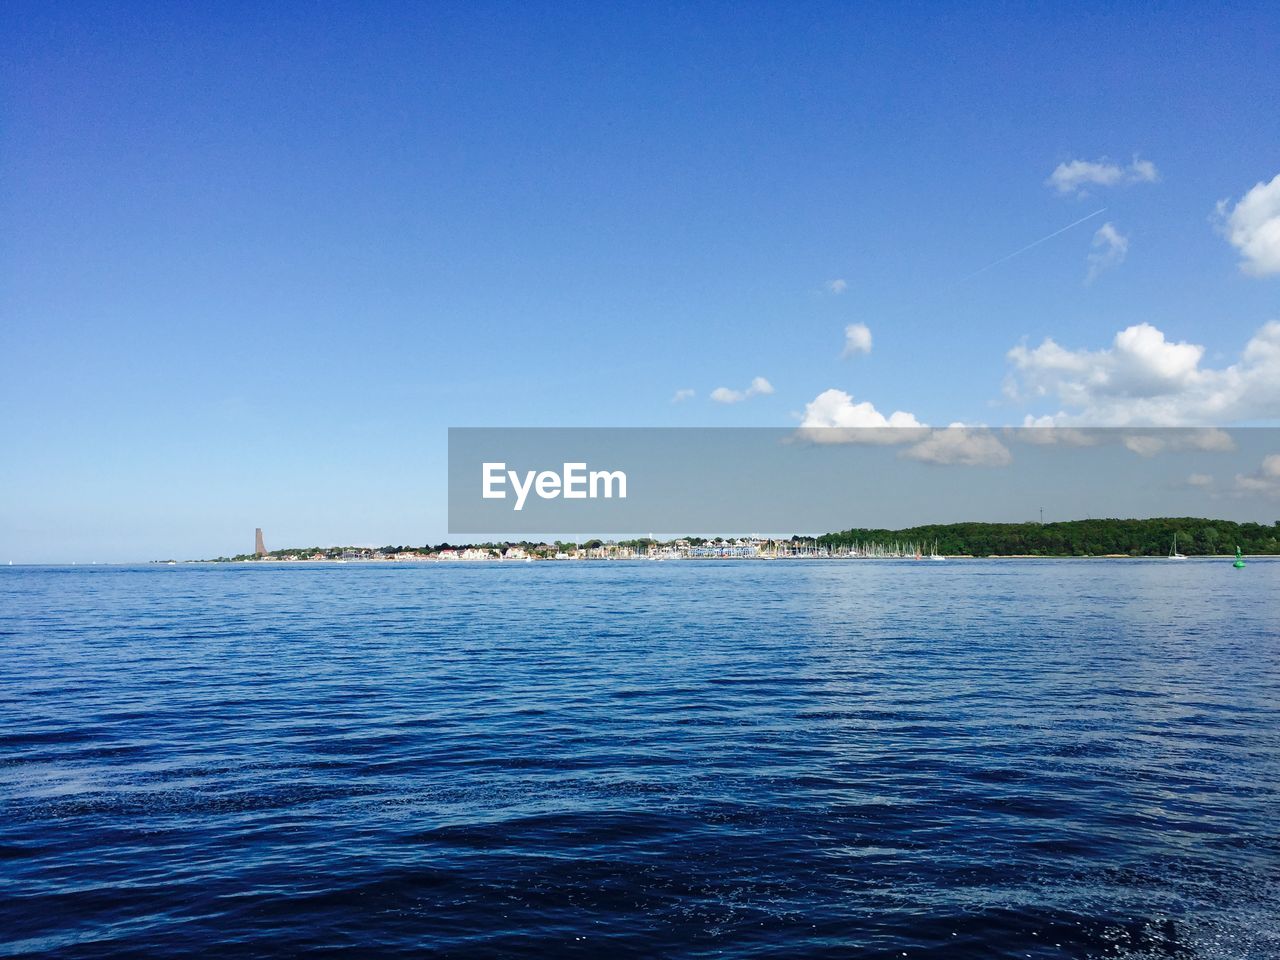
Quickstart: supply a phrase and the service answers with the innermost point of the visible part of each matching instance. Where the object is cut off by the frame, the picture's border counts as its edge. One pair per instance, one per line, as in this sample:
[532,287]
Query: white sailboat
[935,555]
[1173,551]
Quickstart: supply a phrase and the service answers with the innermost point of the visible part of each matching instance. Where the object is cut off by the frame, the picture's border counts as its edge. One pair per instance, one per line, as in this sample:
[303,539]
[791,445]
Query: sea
[804,758]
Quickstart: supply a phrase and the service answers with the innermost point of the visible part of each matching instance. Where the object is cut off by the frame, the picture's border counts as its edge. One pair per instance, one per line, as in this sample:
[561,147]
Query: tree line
[1078,538]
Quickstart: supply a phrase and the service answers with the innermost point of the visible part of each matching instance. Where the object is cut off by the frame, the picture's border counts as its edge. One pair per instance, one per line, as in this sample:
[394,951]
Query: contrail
[996,263]
[952,285]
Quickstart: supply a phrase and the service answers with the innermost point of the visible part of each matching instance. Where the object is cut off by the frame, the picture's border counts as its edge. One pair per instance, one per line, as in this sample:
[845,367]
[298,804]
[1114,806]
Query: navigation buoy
[1239,564]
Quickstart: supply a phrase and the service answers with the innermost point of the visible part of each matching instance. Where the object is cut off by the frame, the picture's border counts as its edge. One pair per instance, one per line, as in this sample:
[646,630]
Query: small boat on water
[934,554]
[1173,551]
[1239,564]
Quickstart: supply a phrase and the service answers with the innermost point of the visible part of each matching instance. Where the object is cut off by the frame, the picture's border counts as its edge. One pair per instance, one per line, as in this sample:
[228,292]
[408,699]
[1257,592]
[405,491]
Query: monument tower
[258,546]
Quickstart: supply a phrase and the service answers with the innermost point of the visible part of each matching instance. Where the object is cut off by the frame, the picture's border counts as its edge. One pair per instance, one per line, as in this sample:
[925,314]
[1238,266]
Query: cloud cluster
[1265,480]
[1208,439]
[1143,379]
[857,339]
[683,394]
[1110,247]
[1077,176]
[836,409]
[760,387]
[1145,442]
[961,446]
[833,417]
[1252,226]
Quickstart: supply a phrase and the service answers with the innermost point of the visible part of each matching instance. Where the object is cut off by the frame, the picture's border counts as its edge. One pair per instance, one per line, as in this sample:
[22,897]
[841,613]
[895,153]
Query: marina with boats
[1174,538]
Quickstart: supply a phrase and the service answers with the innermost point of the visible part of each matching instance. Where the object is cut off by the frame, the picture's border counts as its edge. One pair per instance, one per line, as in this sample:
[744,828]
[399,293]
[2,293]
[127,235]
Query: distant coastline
[1101,539]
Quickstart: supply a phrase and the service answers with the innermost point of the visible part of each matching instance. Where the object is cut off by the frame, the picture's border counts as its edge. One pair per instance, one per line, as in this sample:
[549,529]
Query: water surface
[731,759]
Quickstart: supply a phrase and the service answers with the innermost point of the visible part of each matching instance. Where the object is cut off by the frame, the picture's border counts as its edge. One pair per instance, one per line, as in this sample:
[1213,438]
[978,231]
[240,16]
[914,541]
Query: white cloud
[963,446]
[1265,480]
[684,393]
[1110,247]
[1076,176]
[836,286]
[1254,484]
[1144,445]
[833,417]
[760,387]
[1199,480]
[1042,432]
[1143,171]
[857,339]
[1140,363]
[1142,379]
[1208,439]
[1252,226]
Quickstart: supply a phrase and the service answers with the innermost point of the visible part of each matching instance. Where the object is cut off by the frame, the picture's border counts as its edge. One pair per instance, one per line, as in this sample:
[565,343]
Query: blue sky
[257,258]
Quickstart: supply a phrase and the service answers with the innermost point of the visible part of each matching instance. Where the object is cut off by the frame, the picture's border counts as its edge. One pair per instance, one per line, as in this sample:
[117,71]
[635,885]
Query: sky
[257,259]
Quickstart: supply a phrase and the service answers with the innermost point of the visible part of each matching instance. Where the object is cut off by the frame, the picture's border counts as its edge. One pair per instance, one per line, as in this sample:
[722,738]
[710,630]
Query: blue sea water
[730,759]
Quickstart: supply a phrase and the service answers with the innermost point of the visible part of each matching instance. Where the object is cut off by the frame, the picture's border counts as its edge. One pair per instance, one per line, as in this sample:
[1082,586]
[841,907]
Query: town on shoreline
[1108,538]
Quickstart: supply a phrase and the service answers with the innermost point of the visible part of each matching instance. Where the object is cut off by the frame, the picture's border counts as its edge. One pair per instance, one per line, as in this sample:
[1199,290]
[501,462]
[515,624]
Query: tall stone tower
[259,547]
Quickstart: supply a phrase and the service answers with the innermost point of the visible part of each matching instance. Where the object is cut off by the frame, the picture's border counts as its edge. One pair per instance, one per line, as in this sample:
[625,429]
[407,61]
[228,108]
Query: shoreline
[276,561]
[1103,538]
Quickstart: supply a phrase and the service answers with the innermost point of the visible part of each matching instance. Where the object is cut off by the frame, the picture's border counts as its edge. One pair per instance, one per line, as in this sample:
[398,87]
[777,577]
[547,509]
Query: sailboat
[1239,564]
[1173,551]
[935,555]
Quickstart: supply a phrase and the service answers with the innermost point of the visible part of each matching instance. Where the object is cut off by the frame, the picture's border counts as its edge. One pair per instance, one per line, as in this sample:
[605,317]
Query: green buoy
[1239,564]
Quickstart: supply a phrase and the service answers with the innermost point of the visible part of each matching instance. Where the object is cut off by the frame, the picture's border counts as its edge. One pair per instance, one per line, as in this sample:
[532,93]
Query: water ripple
[982,759]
